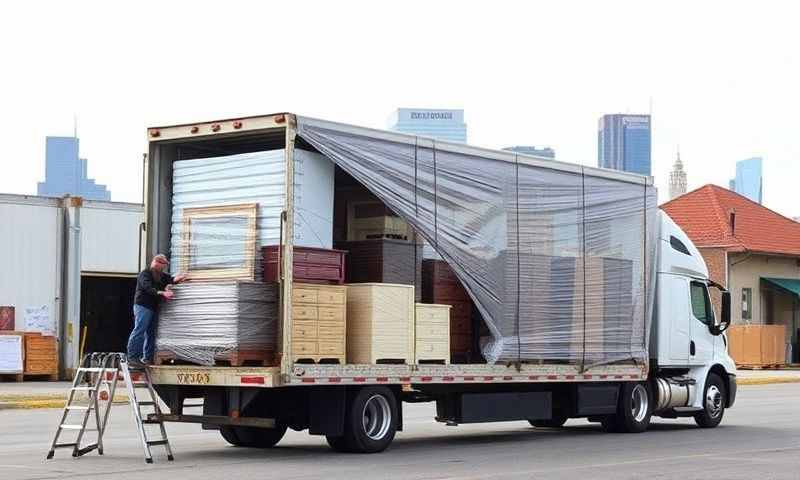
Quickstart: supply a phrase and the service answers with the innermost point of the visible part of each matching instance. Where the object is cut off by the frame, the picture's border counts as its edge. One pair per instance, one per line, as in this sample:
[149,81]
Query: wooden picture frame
[246,271]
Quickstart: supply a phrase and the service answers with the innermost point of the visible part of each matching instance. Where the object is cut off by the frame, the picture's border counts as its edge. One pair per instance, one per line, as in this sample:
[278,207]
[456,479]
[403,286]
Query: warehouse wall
[110,236]
[30,251]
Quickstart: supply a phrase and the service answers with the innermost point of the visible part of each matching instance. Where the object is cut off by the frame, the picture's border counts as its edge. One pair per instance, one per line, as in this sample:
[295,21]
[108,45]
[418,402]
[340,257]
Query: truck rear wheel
[713,403]
[370,422]
[634,409]
[253,437]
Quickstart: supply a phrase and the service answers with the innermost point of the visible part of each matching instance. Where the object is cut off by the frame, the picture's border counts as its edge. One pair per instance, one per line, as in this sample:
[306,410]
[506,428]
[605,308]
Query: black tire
[338,444]
[253,437]
[370,421]
[634,409]
[557,421]
[713,402]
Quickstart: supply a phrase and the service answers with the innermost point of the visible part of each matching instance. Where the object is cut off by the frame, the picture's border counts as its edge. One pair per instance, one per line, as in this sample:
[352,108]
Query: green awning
[791,285]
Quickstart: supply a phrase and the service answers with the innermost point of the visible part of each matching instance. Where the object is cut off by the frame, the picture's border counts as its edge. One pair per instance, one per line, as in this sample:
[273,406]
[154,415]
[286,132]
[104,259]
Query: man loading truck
[151,284]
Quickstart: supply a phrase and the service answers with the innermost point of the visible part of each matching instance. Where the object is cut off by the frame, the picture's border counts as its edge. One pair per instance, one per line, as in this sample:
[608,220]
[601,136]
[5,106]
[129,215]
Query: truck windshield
[701,305]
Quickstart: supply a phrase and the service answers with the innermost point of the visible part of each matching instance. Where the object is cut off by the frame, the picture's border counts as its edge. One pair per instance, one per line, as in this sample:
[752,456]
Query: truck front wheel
[634,409]
[713,403]
[253,437]
[370,422]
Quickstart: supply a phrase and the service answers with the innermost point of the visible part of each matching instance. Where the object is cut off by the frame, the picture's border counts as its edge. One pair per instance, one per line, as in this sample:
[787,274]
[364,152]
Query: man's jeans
[142,342]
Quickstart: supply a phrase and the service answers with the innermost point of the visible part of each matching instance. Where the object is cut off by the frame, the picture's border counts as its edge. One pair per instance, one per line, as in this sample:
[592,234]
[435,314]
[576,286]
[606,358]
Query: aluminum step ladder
[100,373]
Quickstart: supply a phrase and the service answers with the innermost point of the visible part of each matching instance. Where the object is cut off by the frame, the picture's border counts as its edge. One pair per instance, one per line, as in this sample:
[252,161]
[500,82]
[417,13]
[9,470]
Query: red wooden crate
[309,264]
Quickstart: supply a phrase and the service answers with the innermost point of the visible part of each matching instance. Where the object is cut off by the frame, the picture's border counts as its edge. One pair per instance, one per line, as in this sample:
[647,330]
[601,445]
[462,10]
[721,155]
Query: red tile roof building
[713,216]
[750,249]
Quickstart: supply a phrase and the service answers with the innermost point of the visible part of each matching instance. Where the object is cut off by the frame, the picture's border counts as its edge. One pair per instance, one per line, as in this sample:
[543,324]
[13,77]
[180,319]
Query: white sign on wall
[37,319]
[10,353]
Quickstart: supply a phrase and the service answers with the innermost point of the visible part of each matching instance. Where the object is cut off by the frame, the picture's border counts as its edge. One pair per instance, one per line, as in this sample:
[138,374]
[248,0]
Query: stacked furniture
[309,264]
[380,321]
[231,321]
[41,355]
[384,261]
[441,286]
[319,323]
[28,353]
[432,333]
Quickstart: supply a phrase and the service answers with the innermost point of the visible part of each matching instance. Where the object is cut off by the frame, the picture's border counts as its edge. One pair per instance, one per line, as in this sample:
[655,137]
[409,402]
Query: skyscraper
[546,152]
[437,123]
[677,179]
[65,172]
[748,181]
[623,143]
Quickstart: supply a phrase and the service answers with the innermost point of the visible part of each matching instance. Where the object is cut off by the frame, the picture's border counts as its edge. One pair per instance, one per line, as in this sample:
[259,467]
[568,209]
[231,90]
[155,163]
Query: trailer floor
[760,438]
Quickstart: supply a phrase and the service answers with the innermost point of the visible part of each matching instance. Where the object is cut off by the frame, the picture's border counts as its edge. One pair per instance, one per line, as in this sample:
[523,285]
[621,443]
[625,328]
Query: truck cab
[689,350]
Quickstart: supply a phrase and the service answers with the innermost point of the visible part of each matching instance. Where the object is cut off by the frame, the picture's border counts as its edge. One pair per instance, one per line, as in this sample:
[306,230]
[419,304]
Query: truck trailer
[616,348]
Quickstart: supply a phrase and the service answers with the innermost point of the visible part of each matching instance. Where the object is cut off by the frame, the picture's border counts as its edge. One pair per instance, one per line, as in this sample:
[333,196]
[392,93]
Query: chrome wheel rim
[639,403]
[713,401]
[376,417]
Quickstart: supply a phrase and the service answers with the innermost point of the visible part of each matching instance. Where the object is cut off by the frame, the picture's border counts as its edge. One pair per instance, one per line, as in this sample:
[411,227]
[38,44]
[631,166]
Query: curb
[766,380]
[10,402]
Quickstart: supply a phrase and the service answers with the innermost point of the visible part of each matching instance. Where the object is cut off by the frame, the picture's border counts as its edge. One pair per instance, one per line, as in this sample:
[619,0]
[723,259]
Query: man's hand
[168,294]
[181,277]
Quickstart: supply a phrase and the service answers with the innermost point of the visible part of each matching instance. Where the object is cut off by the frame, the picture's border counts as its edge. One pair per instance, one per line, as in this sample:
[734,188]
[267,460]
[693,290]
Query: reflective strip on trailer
[460,379]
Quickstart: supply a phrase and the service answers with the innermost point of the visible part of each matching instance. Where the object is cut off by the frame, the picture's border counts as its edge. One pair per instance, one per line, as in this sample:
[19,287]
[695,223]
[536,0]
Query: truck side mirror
[725,314]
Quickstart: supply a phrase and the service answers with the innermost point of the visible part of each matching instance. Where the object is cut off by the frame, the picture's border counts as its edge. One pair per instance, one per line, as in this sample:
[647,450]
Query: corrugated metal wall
[110,237]
[29,255]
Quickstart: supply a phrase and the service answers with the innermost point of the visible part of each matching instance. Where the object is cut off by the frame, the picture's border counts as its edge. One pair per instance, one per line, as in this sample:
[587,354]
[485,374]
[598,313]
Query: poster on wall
[6,318]
[10,353]
[37,319]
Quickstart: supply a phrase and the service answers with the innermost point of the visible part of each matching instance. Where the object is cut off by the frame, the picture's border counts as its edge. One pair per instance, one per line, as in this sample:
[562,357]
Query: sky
[721,79]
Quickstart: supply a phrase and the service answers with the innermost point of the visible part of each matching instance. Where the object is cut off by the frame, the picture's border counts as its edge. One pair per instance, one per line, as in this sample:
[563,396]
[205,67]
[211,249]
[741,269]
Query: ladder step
[146,403]
[148,421]
[157,442]
[91,369]
[65,445]
[82,389]
[78,407]
[139,384]
[77,427]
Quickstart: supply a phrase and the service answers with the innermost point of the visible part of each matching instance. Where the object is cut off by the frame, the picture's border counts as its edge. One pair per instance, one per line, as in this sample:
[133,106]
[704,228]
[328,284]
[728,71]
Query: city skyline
[66,172]
[440,123]
[689,80]
[749,179]
[624,143]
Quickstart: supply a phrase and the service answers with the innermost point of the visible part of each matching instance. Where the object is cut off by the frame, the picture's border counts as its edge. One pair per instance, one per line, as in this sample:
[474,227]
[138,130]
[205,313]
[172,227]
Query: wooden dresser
[319,323]
[441,286]
[432,333]
[380,320]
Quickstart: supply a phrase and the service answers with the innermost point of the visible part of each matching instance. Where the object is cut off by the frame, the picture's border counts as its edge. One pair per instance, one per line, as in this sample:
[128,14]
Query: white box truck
[617,345]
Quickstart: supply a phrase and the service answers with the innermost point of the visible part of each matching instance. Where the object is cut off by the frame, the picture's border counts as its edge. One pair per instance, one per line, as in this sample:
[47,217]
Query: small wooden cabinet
[319,323]
[380,320]
[432,333]
[41,355]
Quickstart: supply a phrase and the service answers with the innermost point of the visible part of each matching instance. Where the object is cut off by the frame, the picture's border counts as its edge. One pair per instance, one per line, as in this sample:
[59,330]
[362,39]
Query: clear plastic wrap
[557,260]
[211,320]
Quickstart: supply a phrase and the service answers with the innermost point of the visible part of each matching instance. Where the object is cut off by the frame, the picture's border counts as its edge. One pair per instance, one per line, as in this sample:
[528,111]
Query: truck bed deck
[315,374]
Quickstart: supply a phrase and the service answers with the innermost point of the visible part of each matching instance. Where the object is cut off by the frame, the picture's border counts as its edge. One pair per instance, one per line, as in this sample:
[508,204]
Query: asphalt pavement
[759,438]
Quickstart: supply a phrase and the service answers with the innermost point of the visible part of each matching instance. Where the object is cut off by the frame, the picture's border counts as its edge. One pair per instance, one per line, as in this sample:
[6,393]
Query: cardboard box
[757,345]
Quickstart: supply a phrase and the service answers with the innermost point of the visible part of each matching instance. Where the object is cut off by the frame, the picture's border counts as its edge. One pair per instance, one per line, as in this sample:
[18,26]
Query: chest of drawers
[432,333]
[319,323]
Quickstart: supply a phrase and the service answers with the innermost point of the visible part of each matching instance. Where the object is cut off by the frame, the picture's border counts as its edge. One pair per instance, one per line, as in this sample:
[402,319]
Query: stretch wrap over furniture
[207,320]
[489,214]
